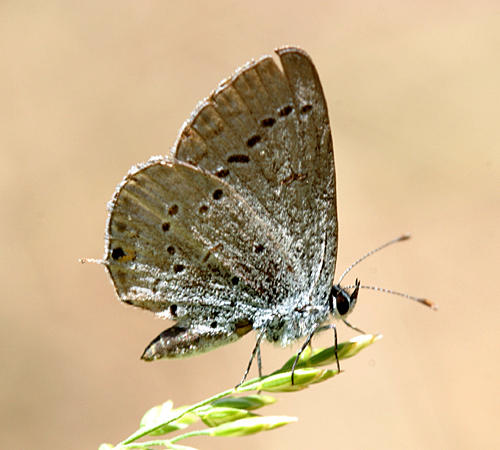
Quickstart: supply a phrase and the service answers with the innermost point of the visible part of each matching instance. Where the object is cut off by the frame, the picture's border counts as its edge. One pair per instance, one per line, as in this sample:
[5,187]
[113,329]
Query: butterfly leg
[335,341]
[259,361]
[304,346]
[353,327]
[308,342]
[259,364]
[255,351]
[336,346]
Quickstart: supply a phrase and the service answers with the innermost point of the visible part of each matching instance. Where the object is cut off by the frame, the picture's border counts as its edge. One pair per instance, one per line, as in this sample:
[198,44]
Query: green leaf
[178,447]
[348,349]
[282,381]
[325,356]
[218,415]
[163,413]
[248,402]
[229,415]
[251,425]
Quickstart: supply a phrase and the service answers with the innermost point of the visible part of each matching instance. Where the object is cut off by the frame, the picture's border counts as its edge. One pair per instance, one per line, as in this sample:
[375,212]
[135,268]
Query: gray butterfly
[236,229]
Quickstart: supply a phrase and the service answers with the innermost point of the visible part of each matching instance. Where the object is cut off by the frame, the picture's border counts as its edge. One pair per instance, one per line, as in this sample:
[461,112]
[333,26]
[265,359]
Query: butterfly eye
[343,304]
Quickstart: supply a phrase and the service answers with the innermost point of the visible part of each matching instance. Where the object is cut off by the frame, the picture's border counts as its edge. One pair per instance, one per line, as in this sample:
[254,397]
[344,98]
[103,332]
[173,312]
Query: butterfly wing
[242,213]
[266,133]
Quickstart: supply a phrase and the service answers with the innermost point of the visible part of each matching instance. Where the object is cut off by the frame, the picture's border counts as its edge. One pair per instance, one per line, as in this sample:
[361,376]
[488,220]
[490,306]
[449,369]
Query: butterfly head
[341,302]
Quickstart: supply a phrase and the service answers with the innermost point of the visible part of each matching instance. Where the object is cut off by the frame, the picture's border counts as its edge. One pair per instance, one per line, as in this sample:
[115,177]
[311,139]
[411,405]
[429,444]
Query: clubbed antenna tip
[422,301]
[428,303]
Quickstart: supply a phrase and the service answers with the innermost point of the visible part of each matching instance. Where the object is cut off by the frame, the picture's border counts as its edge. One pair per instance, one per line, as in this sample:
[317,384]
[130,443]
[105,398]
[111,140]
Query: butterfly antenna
[404,237]
[420,300]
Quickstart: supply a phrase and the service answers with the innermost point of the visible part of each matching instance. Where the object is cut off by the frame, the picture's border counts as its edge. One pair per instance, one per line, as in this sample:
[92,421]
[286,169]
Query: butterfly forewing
[266,132]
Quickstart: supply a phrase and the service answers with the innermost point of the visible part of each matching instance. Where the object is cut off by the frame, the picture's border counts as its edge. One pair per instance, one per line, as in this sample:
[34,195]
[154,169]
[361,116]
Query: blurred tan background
[88,89]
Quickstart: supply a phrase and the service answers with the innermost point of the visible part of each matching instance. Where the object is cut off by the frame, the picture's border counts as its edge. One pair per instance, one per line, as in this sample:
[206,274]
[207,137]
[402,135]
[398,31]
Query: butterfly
[235,229]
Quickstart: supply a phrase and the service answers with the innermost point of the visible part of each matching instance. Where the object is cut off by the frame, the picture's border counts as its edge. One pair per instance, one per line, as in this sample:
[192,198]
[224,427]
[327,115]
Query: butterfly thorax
[285,324]
[289,322]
